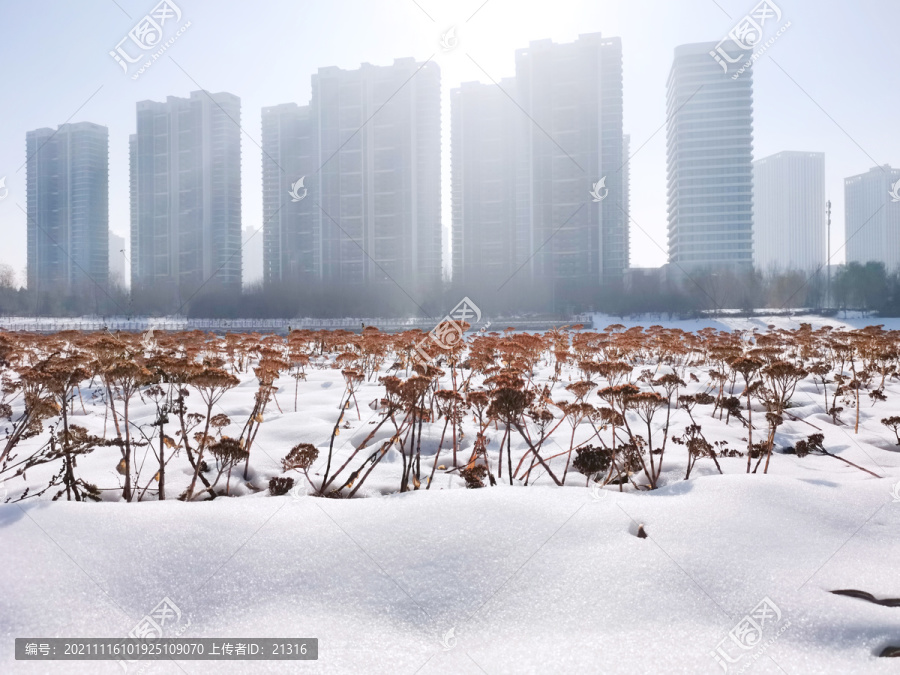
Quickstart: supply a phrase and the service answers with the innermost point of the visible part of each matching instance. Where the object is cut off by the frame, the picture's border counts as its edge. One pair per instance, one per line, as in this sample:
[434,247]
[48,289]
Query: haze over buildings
[186,196]
[291,242]
[483,154]
[573,93]
[68,208]
[368,150]
[540,175]
[525,157]
[710,151]
[802,111]
[789,228]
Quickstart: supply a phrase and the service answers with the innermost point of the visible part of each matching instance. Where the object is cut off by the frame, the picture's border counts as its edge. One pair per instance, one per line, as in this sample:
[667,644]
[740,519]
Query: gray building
[789,225]
[368,150]
[525,158]
[872,217]
[186,196]
[710,154]
[571,139]
[68,208]
[291,235]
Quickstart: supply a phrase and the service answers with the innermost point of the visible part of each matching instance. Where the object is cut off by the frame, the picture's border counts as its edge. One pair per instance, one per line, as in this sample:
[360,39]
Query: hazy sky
[829,84]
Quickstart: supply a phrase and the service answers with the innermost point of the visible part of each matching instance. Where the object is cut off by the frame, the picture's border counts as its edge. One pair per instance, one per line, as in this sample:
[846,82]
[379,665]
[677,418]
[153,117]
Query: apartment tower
[710,155]
[186,197]
[67,199]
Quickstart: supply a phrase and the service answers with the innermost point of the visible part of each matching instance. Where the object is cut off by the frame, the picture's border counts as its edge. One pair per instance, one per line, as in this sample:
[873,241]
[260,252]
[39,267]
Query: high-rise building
[291,237]
[483,175]
[789,226]
[68,208]
[710,154]
[186,196]
[368,151]
[117,260]
[872,217]
[526,156]
[571,139]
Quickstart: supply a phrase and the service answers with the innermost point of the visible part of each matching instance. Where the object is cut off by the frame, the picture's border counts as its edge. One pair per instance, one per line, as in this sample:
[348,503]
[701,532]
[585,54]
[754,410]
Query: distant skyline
[808,95]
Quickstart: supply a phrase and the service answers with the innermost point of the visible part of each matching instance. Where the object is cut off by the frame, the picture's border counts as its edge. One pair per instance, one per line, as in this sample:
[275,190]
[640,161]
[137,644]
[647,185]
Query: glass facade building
[710,154]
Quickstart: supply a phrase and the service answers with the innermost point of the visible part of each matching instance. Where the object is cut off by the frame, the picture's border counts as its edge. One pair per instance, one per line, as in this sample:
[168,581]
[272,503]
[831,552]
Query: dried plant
[591,462]
[748,368]
[211,383]
[893,423]
[635,373]
[301,458]
[815,445]
[280,485]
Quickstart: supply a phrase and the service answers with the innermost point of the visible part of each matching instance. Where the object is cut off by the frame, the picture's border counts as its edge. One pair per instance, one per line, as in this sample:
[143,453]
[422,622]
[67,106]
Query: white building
[789,224]
[872,217]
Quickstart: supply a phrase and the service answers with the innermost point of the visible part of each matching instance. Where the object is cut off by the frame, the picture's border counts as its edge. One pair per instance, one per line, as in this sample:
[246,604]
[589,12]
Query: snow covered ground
[529,580]
[506,579]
